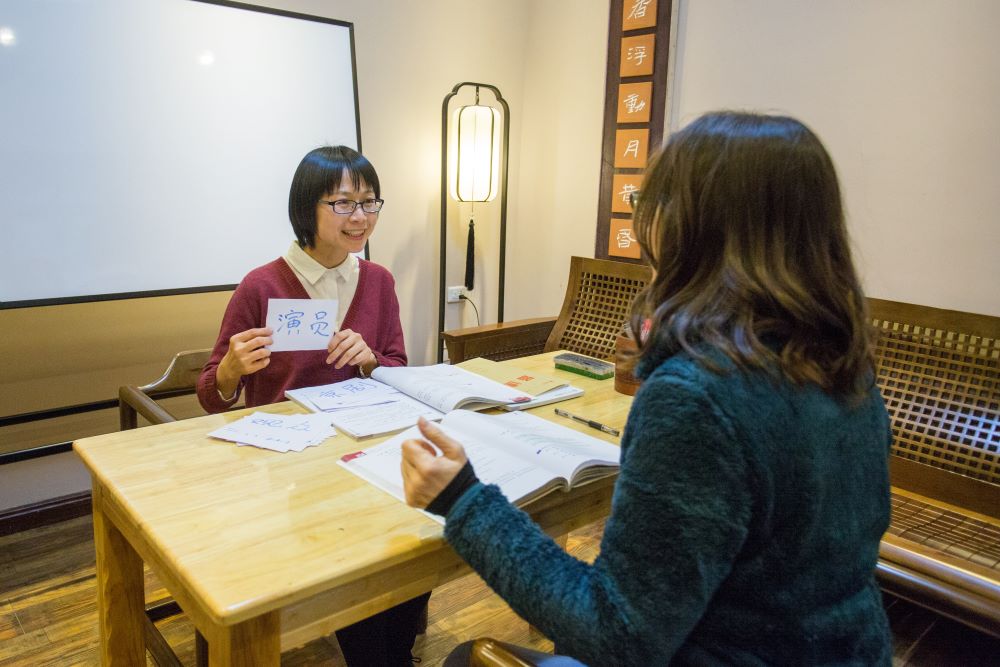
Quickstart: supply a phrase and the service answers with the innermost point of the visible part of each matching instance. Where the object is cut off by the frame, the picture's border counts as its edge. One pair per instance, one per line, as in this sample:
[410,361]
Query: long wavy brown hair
[740,215]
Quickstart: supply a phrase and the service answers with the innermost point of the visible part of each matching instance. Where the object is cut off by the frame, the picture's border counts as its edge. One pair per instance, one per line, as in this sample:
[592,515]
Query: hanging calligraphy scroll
[634,111]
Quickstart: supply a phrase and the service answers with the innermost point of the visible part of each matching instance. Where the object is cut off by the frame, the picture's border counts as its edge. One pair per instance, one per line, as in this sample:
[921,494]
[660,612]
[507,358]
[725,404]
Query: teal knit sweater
[744,530]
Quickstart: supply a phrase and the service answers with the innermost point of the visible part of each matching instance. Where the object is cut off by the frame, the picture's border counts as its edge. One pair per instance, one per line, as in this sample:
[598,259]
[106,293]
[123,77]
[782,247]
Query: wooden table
[266,551]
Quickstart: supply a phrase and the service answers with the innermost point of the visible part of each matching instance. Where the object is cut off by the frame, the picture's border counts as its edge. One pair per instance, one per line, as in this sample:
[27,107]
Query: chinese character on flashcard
[301,324]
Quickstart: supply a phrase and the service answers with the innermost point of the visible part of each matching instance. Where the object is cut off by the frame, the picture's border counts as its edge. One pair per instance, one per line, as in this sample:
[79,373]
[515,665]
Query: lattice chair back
[598,303]
[939,372]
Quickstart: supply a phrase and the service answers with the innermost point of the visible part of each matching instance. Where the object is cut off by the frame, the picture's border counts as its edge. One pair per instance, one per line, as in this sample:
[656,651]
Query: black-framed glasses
[633,199]
[347,206]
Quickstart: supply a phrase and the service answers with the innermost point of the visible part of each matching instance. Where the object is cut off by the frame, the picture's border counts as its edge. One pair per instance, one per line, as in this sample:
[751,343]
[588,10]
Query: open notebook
[525,455]
[394,397]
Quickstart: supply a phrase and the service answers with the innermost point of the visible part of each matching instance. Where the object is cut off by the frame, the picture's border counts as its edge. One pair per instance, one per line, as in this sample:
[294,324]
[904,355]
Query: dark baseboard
[47,512]
[34,452]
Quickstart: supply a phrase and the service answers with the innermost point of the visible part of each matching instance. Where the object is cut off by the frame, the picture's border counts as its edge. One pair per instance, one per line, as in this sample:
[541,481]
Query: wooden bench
[939,372]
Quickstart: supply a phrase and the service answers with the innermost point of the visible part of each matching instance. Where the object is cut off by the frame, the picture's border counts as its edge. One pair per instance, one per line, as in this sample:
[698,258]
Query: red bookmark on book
[347,458]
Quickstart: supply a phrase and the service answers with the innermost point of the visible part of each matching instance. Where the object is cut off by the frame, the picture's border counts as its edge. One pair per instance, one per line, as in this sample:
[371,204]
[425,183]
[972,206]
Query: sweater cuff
[462,482]
[367,374]
[228,399]
[231,400]
[210,397]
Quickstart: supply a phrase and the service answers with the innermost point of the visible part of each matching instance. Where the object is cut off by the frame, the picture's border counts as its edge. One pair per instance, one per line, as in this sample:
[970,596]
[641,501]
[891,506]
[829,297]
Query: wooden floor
[48,614]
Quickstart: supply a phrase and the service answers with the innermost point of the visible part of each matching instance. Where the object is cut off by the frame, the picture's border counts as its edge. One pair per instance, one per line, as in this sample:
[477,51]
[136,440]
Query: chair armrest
[488,652]
[959,573]
[506,340]
[939,596]
[132,401]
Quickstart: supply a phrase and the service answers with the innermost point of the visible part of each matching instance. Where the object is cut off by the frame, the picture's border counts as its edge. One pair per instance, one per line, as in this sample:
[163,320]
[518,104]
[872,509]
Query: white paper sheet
[280,433]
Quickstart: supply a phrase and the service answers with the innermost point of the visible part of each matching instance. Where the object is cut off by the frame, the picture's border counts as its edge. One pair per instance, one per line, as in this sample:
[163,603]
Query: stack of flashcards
[279,433]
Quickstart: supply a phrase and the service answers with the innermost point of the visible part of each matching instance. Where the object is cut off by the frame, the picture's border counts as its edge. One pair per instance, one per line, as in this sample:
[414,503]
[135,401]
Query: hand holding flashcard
[301,324]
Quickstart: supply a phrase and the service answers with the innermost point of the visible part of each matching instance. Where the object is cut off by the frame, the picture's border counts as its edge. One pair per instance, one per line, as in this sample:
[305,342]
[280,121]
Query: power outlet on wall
[455,293]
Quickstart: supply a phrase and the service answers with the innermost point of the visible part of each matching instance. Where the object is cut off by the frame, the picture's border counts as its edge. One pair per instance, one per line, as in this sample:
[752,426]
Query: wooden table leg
[253,643]
[120,594]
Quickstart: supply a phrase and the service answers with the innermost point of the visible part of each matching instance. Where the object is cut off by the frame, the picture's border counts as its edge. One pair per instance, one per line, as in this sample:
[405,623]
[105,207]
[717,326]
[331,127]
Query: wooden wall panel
[634,111]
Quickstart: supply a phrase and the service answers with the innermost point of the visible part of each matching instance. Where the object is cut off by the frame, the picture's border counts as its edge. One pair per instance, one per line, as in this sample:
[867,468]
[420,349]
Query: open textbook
[542,388]
[526,456]
[395,397]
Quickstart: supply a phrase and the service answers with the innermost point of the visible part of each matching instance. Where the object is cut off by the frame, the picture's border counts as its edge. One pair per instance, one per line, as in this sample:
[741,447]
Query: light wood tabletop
[265,550]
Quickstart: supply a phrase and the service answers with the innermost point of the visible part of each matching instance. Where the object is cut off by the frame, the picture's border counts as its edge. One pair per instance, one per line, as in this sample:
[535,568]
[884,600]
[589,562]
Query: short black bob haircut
[319,173]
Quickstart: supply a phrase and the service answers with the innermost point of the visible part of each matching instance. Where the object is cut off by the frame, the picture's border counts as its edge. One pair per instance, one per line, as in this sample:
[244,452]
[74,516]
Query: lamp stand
[442,292]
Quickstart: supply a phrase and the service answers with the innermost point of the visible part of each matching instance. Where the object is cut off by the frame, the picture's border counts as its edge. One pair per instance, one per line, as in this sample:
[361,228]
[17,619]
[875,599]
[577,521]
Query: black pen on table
[589,422]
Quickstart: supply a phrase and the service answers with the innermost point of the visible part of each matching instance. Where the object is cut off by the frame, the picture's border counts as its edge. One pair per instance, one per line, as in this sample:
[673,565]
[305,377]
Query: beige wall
[62,355]
[57,356]
[904,94]
[554,208]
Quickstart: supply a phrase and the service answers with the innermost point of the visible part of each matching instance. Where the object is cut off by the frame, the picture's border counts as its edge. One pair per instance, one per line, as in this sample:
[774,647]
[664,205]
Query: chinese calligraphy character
[291,321]
[624,238]
[321,325]
[638,10]
[636,53]
[632,148]
[633,103]
[627,190]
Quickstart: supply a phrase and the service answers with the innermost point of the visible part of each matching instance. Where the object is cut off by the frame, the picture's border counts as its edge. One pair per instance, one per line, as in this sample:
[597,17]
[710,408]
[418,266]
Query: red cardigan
[374,313]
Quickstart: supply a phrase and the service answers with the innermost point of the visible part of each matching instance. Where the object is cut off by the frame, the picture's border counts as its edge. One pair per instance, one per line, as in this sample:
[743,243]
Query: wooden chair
[179,379]
[939,372]
[598,301]
[488,652]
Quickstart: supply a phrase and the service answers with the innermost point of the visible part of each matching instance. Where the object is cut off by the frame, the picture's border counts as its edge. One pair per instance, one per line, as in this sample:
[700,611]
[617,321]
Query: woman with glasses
[333,206]
[753,490]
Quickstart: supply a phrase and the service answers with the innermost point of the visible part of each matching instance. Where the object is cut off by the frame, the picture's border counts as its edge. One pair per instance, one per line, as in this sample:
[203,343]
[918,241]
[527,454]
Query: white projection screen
[147,146]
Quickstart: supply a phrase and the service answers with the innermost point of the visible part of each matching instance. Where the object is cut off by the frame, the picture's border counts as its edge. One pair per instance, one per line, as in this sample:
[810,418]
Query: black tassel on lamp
[470,257]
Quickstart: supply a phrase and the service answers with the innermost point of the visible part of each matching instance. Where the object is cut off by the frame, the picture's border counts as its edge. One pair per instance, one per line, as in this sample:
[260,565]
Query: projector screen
[147,146]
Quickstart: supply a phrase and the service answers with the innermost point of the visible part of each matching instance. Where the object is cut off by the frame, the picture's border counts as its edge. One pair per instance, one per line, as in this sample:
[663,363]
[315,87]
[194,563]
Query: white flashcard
[301,324]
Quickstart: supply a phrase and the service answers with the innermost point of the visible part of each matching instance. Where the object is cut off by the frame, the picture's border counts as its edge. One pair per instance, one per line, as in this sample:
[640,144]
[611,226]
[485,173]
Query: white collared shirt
[319,282]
